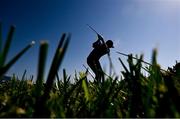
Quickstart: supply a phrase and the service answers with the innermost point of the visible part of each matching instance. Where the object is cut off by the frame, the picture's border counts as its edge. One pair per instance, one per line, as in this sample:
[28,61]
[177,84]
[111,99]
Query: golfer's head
[110,44]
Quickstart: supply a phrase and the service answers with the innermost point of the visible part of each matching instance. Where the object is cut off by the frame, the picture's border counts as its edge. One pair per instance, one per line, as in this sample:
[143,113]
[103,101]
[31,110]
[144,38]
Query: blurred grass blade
[123,65]
[54,67]
[58,81]
[64,76]
[154,57]
[7,45]
[65,81]
[41,66]
[31,78]
[1,37]
[111,67]
[60,51]
[41,110]
[24,74]
[22,83]
[84,85]
[131,65]
[4,69]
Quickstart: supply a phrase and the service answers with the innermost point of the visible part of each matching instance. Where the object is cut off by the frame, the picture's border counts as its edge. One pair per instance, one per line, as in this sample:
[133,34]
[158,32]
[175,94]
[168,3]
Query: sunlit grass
[134,95]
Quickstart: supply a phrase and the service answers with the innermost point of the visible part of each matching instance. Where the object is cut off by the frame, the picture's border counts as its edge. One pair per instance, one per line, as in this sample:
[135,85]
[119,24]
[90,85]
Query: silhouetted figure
[99,50]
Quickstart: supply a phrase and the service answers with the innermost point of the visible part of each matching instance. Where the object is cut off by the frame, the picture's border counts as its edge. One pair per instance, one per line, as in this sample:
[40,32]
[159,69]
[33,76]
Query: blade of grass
[58,82]
[21,85]
[41,67]
[65,80]
[4,69]
[41,110]
[154,57]
[0,37]
[24,74]
[85,87]
[59,55]
[7,45]
[40,76]
[123,65]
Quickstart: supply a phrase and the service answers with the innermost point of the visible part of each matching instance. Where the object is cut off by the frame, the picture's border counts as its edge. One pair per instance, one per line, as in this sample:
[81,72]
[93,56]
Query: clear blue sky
[135,26]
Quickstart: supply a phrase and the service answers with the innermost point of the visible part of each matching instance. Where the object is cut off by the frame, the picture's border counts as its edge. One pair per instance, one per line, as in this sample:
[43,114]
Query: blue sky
[135,26]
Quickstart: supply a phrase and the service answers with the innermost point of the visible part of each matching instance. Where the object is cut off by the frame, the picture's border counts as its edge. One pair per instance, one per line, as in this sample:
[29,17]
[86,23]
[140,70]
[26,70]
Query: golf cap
[110,43]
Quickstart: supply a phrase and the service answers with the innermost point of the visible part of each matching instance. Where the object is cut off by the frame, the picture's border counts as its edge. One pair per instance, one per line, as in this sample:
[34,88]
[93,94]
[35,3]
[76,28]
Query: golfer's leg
[99,71]
[92,65]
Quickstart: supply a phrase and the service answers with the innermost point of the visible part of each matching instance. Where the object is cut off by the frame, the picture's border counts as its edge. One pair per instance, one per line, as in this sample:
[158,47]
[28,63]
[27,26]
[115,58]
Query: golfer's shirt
[98,51]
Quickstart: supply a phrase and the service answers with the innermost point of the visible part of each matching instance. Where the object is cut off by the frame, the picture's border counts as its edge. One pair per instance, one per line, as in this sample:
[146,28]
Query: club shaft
[139,59]
[134,58]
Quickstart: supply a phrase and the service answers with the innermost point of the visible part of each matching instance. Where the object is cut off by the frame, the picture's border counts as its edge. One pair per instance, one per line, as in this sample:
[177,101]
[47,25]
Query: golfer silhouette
[99,49]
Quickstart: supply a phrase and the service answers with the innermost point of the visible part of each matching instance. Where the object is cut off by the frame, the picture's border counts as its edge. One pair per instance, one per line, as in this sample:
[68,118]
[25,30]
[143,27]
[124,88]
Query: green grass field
[125,95]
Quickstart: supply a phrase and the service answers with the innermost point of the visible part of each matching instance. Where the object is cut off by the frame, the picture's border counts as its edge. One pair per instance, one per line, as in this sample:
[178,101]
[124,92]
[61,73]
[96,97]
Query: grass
[134,95]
